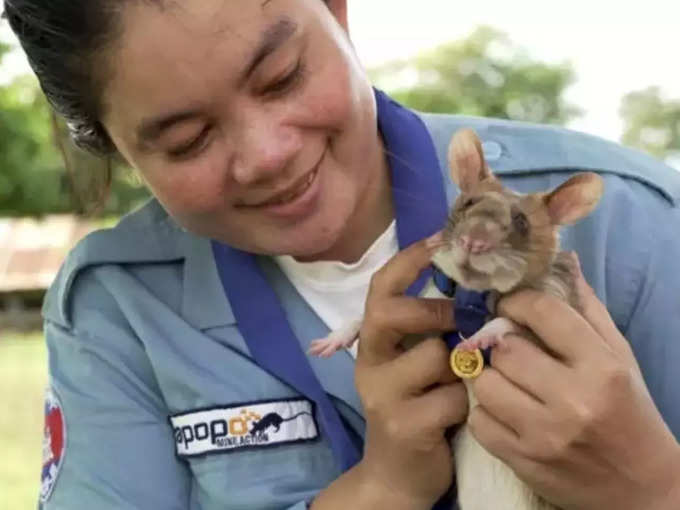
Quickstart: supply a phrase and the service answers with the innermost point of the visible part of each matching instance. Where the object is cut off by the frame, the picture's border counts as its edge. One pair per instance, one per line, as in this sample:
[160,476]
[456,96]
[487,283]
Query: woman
[282,182]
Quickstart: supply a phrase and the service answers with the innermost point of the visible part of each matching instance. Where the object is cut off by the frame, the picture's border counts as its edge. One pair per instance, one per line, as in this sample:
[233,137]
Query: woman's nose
[265,150]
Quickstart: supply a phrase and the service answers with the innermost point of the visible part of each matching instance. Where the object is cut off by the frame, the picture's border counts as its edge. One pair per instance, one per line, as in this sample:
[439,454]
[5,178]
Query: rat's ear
[466,160]
[575,199]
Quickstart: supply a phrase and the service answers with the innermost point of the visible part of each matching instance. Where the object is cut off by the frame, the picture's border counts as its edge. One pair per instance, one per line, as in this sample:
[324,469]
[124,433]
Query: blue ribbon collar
[470,309]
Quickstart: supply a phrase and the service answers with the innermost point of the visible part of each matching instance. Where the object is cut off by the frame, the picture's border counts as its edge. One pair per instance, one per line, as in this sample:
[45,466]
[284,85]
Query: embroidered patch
[54,444]
[251,425]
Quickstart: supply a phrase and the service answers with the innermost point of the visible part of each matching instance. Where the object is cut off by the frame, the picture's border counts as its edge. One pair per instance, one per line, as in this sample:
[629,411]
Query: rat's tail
[297,415]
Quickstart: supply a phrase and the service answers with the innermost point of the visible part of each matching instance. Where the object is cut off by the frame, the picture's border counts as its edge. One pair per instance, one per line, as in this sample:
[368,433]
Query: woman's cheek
[191,188]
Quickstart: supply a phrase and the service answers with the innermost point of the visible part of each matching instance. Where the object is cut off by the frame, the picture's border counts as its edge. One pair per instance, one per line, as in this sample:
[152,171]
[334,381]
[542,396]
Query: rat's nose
[474,245]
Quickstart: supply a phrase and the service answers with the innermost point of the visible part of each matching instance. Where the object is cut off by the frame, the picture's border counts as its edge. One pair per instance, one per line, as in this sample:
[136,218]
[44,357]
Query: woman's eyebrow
[272,37]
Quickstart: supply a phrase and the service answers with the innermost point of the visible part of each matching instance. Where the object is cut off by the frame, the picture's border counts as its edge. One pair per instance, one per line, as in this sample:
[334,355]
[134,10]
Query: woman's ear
[339,10]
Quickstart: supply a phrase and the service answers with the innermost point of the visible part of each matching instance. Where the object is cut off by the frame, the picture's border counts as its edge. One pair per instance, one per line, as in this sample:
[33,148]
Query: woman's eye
[287,81]
[470,202]
[191,147]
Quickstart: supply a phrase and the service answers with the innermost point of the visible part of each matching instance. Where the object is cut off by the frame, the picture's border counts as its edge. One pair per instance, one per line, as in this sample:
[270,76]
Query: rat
[272,420]
[502,241]
[499,241]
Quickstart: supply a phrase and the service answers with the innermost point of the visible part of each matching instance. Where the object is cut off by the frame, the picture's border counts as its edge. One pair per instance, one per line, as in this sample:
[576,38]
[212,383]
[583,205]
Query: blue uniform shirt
[155,392]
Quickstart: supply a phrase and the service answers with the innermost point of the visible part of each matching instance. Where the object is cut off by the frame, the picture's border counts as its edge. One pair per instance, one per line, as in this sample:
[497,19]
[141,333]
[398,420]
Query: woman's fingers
[389,315]
[507,403]
[529,367]
[499,440]
[387,321]
[561,328]
[423,365]
[597,315]
[445,405]
[404,268]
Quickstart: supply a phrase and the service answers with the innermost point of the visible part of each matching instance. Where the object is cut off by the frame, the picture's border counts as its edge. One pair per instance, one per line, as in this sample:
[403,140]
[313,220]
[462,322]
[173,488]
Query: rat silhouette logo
[234,427]
[54,444]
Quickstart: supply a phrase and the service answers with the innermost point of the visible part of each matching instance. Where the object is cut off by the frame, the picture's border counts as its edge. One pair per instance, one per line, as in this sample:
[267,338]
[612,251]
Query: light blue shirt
[139,329]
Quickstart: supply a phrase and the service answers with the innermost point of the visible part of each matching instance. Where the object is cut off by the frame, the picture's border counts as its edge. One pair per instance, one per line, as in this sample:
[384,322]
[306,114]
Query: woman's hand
[410,398]
[579,426]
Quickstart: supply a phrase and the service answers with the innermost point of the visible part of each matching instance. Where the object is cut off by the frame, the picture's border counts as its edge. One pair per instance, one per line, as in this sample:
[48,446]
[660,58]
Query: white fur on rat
[502,241]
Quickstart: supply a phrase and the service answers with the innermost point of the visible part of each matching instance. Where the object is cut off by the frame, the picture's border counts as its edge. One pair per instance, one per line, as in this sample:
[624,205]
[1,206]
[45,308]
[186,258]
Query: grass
[23,376]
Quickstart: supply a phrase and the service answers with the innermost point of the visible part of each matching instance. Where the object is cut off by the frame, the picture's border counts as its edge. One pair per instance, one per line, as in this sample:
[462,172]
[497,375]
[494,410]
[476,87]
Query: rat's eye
[470,202]
[520,222]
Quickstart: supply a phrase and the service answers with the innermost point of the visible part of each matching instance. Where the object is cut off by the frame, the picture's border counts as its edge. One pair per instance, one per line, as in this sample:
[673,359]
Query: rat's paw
[326,347]
[479,342]
[339,339]
[491,335]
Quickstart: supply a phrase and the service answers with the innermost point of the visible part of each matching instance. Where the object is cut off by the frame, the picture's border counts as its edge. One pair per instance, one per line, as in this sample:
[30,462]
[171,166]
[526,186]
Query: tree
[484,74]
[651,122]
[29,176]
[33,177]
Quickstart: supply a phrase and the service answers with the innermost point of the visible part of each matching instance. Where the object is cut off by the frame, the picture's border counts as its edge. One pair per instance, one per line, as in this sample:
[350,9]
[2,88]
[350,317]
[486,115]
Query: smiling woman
[290,198]
[227,147]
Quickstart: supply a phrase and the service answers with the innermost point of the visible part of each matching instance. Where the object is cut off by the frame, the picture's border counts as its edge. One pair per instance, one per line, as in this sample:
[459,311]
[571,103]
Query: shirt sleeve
[116,449]
[654,324]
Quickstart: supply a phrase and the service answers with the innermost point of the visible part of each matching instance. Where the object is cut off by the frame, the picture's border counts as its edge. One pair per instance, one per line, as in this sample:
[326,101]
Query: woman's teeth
[292,195]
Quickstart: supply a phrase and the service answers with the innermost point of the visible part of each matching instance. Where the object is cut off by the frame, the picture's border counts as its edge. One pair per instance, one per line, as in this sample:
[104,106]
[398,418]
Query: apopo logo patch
[223,429]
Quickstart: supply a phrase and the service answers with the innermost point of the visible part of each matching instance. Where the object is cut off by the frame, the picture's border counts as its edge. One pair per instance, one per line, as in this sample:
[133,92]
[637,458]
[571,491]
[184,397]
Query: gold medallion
[466,364]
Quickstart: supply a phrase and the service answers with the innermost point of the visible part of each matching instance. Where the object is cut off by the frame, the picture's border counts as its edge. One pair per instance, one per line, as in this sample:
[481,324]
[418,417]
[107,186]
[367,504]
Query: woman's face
[250,120]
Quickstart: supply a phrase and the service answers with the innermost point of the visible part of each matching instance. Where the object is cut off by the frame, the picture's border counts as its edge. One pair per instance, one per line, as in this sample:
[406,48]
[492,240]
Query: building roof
[31,250]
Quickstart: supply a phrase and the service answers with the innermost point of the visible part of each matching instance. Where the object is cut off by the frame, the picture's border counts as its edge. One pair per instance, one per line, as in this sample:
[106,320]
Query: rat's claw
[491,335]
[342,338]
[316,347]
[479,342]
[326,347]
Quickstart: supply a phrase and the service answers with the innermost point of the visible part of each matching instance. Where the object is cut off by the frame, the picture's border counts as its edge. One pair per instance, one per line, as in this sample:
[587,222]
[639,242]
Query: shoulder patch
[250,425]
[54,444]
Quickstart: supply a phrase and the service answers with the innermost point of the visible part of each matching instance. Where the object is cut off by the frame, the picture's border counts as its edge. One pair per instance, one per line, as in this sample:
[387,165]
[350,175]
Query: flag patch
[54,444]
[252,425]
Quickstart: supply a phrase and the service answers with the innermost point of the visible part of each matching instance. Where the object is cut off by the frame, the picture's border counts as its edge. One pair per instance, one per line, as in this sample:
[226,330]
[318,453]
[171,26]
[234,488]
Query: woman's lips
[297,202]
[291,195]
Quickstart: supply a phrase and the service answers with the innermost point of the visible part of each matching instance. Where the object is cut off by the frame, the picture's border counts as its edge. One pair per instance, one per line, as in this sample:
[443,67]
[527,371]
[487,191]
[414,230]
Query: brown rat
[502,241]
[499,240]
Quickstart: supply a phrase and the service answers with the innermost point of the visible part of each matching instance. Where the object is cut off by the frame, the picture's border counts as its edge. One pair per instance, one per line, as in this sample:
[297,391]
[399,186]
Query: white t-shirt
[337,291]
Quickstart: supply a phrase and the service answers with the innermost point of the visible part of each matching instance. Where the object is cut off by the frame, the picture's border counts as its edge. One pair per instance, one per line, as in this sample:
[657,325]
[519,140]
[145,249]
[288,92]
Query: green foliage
[34,179]
[30,180]
[651,122]
[482,75]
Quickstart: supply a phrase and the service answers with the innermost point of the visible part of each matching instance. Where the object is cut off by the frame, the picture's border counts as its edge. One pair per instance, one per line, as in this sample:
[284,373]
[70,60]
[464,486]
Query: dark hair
[65,41]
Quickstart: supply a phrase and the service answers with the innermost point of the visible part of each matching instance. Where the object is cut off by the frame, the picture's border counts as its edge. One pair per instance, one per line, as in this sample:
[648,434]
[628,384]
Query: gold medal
[466,364]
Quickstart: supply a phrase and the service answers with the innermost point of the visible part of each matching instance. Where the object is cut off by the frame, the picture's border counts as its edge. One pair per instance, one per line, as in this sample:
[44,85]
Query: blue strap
[469,308]
[274,346]
[420,209]
[445,284]
[417,183]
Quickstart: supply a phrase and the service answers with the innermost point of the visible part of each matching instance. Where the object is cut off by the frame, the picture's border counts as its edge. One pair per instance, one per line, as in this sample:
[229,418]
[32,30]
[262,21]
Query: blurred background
[605,68]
